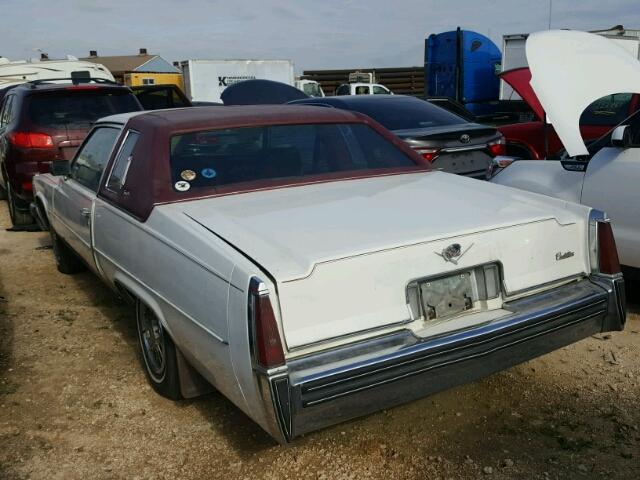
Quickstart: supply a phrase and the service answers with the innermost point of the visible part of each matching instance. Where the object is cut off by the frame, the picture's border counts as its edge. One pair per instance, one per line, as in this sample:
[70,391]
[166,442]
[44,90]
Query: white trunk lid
[342,253]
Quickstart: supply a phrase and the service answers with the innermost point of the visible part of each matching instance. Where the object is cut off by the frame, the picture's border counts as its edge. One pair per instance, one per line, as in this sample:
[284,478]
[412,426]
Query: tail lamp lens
[267,346]
[608,261]
[31,140]
[428,154]
[497,147]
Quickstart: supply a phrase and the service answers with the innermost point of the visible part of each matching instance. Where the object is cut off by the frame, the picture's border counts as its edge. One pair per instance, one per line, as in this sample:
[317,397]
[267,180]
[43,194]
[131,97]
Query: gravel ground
[74,404]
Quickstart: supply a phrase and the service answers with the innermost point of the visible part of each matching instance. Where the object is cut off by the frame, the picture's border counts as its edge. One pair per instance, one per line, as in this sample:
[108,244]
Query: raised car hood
[570,70]
[519,79]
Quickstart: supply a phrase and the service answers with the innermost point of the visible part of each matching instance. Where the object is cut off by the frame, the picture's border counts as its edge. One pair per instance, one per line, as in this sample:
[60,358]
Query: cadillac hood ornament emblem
[453,253]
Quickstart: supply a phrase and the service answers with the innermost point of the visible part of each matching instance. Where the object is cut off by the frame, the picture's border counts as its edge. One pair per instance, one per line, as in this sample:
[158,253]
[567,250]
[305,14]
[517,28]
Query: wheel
[19,217]
[158,353]
[66,259]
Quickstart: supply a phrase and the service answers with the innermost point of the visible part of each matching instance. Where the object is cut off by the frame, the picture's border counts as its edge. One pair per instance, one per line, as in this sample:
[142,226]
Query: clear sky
[314,34]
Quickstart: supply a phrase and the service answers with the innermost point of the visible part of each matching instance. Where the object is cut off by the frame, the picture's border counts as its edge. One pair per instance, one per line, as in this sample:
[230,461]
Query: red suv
[41,122]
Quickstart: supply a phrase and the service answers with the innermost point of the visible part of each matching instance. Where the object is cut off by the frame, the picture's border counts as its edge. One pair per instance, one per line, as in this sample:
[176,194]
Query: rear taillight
[267,347]
[603,252]
[27,186]
[497,147]
[30,140]
[428,154]
[608,261]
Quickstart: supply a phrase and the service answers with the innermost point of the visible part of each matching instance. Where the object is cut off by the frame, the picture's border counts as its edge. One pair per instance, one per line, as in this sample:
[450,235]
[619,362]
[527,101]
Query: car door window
[5,113]
[90,161]
[377,90]
[362,90]
[609,110]
[343,90]
[120,168]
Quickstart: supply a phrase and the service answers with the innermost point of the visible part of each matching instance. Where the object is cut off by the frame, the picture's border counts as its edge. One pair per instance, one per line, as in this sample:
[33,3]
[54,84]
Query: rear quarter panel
[183,274]
[547,177]
[611,185]
[44,186]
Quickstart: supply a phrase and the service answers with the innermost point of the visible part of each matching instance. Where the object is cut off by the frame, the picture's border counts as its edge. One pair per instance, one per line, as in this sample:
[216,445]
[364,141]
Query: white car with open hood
[287,256]
[570,70]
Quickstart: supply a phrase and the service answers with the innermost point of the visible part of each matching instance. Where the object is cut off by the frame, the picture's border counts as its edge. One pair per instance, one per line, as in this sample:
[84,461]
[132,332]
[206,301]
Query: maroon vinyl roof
[148,181]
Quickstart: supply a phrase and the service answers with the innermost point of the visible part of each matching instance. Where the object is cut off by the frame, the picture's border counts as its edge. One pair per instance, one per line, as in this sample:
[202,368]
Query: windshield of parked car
[78,108]
[407,114]
[223,157]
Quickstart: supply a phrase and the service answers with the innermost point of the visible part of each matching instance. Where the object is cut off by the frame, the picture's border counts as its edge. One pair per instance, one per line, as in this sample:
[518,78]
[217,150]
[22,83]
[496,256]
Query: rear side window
[93,156]
[343,90]
[407,113]
[223,157]
[6,114]
[123,161]
[78,109]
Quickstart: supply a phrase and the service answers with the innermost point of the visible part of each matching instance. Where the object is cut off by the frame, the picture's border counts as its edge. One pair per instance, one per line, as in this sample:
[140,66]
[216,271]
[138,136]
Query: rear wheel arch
[134,292]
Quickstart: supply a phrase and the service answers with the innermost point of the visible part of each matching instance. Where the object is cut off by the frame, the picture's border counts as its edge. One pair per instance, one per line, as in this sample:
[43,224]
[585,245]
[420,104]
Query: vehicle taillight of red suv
[43,121]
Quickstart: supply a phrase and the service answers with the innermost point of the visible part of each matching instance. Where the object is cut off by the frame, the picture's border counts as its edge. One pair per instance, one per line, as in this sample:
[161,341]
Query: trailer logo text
[226,81]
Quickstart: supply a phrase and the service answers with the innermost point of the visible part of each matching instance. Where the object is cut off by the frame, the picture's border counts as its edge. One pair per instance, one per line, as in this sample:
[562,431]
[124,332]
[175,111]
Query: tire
[19,218]
[66,259]
[158,353]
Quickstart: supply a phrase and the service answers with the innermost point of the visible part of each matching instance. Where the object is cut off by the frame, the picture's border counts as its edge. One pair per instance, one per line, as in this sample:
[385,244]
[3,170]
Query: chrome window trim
[115,161]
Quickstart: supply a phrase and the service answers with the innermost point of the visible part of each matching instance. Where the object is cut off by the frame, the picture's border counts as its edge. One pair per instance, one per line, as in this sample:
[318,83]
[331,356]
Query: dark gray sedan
[450,142]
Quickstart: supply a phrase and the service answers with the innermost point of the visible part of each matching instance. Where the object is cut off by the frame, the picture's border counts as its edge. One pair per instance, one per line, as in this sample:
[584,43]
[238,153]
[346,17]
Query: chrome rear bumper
[343,383]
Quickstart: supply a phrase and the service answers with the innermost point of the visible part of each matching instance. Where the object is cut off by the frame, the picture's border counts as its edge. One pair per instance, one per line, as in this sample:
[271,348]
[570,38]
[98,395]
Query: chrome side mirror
[623,137]
[617,137]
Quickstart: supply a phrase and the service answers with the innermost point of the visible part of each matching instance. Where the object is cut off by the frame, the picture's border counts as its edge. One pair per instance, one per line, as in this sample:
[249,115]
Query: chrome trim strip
[461,336]
[464,149]
[452,362]
[463,347]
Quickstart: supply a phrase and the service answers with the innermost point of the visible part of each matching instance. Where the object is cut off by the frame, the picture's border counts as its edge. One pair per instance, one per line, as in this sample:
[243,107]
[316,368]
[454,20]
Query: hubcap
[152,340]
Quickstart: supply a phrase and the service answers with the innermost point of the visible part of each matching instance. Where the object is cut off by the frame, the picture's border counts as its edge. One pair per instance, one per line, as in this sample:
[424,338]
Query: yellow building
[141,69]
[152,78]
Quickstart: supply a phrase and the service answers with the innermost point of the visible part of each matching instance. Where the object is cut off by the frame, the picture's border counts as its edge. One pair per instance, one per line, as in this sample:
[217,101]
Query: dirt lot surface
[74,404]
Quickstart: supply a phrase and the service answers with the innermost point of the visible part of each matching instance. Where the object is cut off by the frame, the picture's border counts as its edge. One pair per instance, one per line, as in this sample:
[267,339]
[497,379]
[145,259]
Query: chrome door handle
[85,212]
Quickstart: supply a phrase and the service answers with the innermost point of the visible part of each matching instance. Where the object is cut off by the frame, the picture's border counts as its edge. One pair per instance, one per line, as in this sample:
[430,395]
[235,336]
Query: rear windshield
[407,113]
[223,157]
[78,108]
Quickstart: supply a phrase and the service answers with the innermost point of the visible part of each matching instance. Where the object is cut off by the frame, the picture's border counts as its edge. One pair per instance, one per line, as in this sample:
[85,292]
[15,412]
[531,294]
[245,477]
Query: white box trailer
[205,80]
[514,55]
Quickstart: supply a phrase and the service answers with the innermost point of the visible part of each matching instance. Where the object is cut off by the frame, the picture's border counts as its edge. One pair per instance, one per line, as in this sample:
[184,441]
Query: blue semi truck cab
[462,64]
